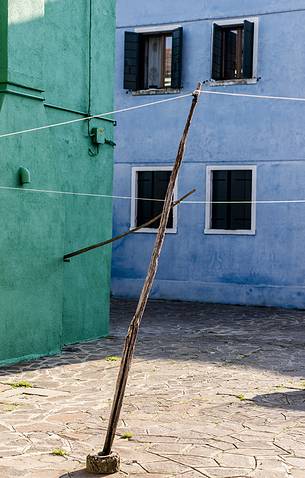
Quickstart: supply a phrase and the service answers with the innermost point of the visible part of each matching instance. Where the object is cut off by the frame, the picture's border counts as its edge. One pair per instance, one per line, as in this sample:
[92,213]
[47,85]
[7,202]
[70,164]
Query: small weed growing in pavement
[21,384]
[59,452]
[241,397]
[127,436]
[112,358]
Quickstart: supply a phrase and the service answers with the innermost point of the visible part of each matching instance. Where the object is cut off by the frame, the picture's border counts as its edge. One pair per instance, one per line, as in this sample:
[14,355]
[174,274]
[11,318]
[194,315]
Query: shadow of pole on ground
[84,474]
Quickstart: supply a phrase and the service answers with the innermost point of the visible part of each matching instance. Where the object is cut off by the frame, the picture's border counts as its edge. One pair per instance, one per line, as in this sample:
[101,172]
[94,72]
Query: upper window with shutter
[233,52]
[148,191]
[231,200]
[153,61]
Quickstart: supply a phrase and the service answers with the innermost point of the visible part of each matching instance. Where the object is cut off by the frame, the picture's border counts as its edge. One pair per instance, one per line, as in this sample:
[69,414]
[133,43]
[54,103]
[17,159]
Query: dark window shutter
[177,50]
[132,61]
[220,183]
[248,49]
[241,190]
[217,53]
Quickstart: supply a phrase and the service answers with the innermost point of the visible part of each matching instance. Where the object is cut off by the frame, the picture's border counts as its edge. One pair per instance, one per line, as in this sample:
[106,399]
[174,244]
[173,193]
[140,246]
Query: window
[157,61]
[233,51]
[230,200]
[150,183]
[153,61]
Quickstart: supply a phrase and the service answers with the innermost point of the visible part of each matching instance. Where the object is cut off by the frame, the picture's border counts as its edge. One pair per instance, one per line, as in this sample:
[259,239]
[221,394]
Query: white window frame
[209,196]
[240,81]
[157,29]
[134,184]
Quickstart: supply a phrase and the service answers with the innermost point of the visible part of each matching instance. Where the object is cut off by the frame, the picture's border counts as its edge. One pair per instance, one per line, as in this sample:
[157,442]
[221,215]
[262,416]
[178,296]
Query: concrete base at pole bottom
[103,464]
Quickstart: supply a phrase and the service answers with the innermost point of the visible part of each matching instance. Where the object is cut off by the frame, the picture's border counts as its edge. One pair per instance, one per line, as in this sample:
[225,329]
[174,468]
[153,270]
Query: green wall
[45,52]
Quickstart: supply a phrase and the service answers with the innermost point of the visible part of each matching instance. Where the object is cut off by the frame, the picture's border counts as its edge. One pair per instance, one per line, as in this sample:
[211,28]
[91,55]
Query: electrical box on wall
[98,135]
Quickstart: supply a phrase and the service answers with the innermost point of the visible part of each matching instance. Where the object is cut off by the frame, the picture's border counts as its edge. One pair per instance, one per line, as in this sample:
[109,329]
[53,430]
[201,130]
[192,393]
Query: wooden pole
[67,257]
[132,334]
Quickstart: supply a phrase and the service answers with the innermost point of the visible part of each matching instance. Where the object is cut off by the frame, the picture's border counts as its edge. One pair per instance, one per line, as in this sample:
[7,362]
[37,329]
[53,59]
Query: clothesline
[132,198]
[147,105]
[248,95]
[87,118]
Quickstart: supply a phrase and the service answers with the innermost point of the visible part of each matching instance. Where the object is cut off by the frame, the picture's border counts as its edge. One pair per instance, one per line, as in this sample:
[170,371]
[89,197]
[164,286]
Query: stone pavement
[215,391]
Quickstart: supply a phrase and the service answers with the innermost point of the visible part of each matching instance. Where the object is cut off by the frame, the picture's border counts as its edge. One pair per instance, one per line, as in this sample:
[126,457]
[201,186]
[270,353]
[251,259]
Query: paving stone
[296,462]
[193,461]
[294,473]
[235,461]
[271,464]
[43,392]
[165,466]
[184,403]
[225,472]
[191,474]
[4,387]
[203,451]
[258,451]
[171,448]
[270,474]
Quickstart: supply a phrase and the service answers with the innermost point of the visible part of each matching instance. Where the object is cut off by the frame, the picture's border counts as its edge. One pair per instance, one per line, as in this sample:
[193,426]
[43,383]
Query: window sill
[239,232]
[249,81]
[157,91]
[155,231]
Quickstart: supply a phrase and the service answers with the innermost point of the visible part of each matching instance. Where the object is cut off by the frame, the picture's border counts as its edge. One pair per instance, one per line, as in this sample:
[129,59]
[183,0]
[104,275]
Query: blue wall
[264,269]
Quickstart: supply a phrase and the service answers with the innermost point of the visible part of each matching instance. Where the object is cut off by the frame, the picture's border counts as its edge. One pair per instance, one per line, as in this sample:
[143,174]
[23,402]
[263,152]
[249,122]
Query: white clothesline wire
[271,201]
[146,105]
[71,193]
[131,198]
[87,118]
[247,95]
[210,92]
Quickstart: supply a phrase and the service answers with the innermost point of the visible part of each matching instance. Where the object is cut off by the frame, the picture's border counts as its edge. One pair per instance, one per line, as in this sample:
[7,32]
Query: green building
[56,65]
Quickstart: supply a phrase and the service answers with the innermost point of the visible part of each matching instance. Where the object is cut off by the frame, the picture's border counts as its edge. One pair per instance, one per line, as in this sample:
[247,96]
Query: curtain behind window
[154,49]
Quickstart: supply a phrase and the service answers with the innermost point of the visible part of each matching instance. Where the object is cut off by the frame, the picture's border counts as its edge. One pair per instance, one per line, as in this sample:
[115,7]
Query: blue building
[245,153]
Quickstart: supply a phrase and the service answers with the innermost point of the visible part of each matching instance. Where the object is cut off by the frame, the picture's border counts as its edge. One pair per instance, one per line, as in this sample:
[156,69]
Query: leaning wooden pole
[132,334]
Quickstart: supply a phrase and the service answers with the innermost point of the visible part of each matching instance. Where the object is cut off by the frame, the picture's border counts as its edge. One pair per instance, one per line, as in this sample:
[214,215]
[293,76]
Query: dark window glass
[151,185]
[168,55]
[231,186]
[233,51]
[232,45]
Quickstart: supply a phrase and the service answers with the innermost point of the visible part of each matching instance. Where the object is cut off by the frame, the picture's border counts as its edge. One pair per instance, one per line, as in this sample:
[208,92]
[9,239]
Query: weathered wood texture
[131,337]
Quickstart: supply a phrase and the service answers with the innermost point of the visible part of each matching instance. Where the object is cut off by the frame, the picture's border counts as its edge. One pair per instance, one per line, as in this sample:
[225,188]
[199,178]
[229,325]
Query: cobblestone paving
[215,391]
